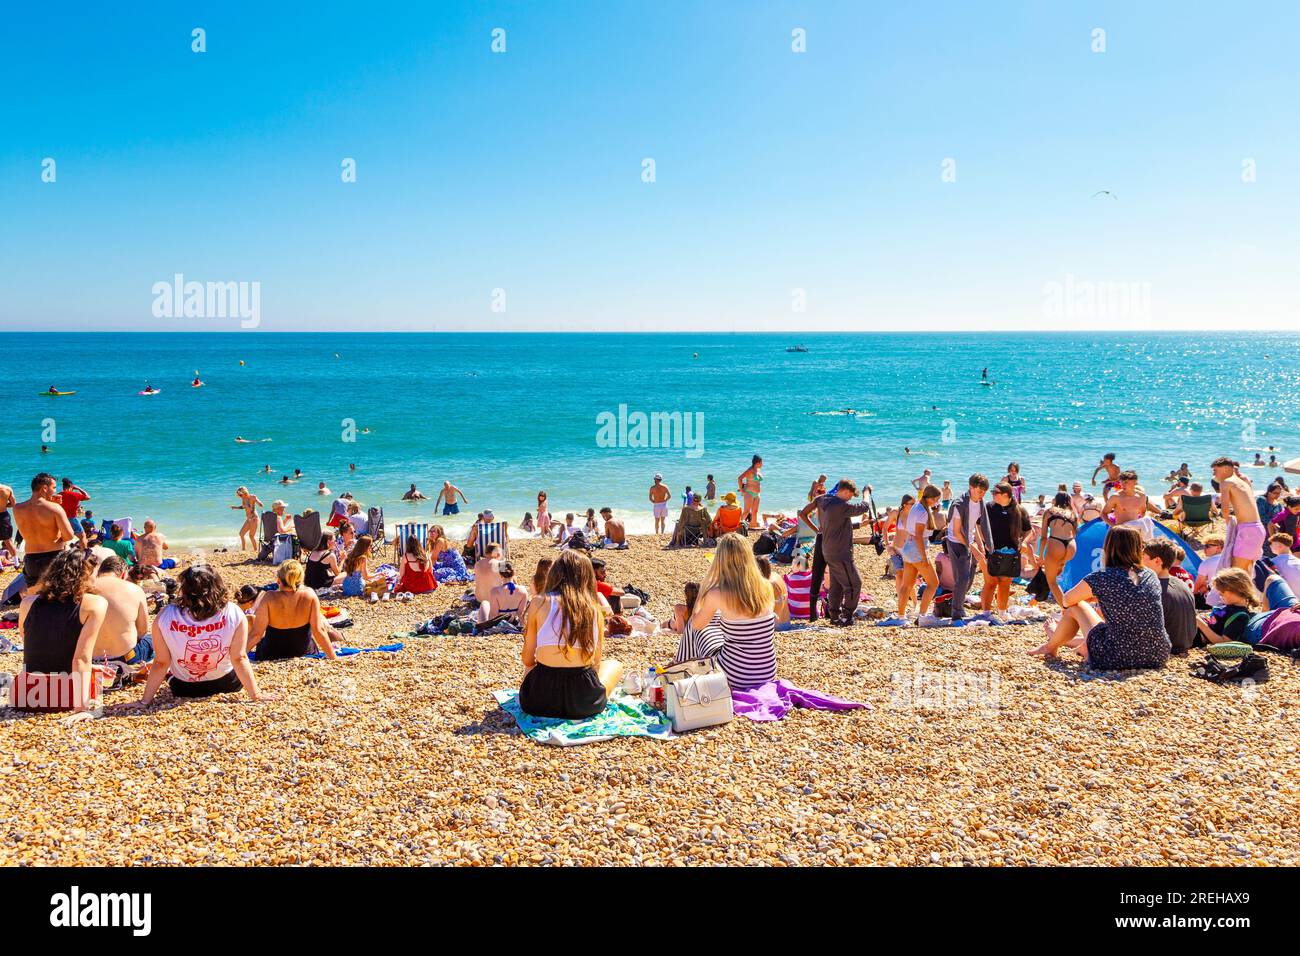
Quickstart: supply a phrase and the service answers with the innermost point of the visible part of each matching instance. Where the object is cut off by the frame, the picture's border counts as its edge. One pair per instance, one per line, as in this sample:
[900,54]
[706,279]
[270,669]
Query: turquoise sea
[504,415]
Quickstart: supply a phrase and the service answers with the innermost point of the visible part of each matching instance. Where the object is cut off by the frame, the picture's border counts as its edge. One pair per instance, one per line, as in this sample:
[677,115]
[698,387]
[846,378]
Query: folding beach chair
[488,534]
[1196,511]
[269,531]
[375,524]
[402,531]
[308,529]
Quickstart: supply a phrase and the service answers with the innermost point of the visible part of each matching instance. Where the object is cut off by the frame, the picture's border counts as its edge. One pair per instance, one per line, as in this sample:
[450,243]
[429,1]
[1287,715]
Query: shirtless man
[7,501]
[615,533]
[1112,474]
[250,503]
[322,490]
[45,528]
[124,634]
[659,495]
[413,494]
[447,499]
[486,575]
[1237,501]
[1130,506]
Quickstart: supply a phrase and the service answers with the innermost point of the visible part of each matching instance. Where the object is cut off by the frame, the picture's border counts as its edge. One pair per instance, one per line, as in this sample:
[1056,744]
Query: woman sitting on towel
[734,619]
[565,675]
[507,601]
[287,620]
[201,641]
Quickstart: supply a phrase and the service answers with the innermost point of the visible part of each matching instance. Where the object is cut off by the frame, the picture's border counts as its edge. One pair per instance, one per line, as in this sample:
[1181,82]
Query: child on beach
[1237,620]
[1286,564]
[682,612]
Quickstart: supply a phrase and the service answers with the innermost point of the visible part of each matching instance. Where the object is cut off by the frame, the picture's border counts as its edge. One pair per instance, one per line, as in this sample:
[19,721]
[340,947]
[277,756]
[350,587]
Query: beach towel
[623,716]
[773,700]
[349,651]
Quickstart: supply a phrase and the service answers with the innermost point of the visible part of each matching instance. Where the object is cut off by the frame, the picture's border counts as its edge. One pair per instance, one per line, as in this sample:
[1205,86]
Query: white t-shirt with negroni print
[200,650]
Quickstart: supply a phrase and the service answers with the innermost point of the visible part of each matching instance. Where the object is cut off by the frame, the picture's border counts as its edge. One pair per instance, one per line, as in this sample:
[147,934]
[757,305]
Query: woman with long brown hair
[356,569]
[565,673]
[1129,630]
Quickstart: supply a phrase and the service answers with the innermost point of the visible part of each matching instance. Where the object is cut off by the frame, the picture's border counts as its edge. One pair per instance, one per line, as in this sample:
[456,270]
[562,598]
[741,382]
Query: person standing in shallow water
[750,485]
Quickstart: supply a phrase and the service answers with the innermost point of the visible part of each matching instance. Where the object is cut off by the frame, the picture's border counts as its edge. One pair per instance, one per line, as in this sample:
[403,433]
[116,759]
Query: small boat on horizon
[797,348]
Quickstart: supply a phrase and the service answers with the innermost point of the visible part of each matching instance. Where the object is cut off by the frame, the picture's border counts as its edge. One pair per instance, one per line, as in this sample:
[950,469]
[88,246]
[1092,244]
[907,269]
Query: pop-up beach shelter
[1089,541]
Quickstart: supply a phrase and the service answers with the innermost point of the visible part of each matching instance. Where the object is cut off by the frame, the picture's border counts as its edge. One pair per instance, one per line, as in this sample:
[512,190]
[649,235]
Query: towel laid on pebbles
[350,651]
[775,699]
[623,716]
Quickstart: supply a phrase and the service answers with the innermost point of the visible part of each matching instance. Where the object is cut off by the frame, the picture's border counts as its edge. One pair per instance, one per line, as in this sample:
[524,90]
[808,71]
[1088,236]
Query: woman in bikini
[250,503]
[750,484]
[1058,525]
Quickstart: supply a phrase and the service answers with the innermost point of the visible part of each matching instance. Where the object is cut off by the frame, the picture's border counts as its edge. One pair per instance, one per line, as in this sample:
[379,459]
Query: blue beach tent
[1089,541]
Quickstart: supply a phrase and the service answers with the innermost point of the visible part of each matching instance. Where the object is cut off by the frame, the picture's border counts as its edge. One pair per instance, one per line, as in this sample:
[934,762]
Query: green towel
[623,716]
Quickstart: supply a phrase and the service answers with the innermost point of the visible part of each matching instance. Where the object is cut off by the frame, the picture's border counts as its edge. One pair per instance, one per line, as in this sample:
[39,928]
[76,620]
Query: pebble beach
[405,759]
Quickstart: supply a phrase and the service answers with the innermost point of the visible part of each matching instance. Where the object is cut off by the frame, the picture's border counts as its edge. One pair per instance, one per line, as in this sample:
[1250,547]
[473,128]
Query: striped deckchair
[496,532]
[402,531]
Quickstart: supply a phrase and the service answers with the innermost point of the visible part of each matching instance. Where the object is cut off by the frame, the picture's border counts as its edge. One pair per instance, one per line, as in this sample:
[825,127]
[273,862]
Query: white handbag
[697,695]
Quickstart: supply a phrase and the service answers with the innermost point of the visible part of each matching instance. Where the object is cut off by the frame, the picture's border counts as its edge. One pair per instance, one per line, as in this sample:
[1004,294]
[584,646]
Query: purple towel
[773,700]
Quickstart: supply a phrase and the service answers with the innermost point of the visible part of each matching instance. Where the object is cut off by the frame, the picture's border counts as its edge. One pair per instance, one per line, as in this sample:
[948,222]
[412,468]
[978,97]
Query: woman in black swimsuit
[322,565]
[59,623]
[287,620]
[1057,528]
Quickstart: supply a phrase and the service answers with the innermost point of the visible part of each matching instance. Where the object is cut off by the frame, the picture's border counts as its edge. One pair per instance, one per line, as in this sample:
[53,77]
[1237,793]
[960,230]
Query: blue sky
[775,170]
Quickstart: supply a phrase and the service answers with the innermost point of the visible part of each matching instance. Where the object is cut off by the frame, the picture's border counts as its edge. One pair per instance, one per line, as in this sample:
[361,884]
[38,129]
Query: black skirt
[572,693]
[205,688]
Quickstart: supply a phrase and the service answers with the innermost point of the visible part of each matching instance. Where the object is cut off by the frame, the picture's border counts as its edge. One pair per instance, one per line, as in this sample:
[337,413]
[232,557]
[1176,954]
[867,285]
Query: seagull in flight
[1104,192]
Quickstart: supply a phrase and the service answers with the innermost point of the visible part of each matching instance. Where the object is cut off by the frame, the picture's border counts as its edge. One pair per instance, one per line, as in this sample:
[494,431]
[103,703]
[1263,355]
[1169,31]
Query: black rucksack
[764,544]
[577,542]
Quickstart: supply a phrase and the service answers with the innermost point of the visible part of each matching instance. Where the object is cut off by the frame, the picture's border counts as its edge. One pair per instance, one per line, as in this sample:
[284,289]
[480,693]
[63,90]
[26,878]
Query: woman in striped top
[734,619]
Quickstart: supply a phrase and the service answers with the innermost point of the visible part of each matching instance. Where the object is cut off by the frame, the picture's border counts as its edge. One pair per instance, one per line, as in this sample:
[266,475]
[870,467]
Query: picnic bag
[1004,563]
[697,695]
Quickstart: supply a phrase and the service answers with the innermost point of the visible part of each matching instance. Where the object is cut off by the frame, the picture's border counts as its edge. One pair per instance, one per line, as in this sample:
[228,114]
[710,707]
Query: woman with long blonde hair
[734,619]
[565,674]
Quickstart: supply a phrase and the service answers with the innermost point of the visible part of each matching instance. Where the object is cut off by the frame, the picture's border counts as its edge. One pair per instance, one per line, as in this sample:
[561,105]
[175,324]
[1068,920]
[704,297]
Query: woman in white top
[916,525]
[565,673]
[201,641]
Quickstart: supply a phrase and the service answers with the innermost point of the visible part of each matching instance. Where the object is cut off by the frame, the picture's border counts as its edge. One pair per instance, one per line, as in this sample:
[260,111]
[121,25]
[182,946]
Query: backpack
[577,542]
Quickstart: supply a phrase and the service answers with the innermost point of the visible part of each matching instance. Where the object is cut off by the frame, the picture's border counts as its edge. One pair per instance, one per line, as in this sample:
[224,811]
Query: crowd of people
[85,593]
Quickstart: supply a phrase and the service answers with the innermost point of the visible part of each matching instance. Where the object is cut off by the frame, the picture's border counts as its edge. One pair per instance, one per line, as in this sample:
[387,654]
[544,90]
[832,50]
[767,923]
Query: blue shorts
[912,553]
[1279,595]
[142,653]
[451,509]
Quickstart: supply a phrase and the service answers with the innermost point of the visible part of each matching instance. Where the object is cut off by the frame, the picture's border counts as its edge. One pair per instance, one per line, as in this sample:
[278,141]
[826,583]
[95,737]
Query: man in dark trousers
[835,523]
[968,542]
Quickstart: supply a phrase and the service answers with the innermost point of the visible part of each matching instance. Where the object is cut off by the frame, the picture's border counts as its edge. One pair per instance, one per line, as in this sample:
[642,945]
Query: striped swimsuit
[745,649]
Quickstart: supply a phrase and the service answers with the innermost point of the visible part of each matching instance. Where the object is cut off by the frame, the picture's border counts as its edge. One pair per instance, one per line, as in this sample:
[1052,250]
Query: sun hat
[729,497]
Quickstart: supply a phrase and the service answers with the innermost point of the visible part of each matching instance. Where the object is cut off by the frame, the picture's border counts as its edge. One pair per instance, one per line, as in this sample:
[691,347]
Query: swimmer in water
[413,494]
